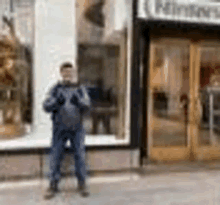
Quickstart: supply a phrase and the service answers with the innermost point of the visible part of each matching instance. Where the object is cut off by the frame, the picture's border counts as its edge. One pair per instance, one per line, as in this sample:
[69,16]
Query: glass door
[170,104]
[207,100]
[184,100]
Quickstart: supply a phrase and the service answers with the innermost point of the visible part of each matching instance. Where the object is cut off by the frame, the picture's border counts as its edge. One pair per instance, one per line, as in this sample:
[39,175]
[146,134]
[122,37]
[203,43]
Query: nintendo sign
[202,11]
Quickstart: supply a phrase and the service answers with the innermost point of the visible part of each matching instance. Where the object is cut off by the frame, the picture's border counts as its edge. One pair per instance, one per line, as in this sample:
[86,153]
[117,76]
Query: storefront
[45,34]
[178,56]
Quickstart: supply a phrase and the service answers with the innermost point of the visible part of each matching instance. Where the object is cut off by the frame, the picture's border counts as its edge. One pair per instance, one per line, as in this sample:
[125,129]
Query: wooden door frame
[193,151]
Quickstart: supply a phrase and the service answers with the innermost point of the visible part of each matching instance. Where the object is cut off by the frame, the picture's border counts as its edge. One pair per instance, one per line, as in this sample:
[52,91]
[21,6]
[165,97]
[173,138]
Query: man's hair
[66,65]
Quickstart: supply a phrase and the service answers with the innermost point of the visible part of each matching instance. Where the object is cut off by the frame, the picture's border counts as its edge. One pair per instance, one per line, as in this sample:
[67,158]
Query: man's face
[70,74]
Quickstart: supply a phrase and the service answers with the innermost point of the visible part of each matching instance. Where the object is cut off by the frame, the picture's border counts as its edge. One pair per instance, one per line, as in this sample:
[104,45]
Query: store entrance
[183,100]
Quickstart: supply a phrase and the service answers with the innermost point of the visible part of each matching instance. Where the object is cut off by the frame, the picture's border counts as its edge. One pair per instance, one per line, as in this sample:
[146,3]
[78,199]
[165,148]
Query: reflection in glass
[170,94]
[97,69]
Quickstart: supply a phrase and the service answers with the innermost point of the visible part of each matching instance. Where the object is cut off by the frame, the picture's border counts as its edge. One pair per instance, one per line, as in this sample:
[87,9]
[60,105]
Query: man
[67,102]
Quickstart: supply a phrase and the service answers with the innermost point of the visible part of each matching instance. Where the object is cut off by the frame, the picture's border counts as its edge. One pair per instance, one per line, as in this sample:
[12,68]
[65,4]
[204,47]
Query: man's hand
[60,98]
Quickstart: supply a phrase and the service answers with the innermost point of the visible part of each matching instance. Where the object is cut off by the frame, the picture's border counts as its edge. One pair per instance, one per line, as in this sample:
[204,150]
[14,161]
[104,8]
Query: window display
[16,44]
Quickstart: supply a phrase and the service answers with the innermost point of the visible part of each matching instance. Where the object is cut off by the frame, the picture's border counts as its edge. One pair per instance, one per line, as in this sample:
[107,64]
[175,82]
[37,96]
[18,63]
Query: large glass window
[102,67]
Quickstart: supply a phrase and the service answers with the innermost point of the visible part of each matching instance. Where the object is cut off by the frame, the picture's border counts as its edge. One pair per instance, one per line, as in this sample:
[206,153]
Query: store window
[16,63]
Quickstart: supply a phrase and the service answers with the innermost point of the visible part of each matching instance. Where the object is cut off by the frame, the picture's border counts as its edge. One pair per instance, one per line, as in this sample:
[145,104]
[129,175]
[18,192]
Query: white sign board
[203,11]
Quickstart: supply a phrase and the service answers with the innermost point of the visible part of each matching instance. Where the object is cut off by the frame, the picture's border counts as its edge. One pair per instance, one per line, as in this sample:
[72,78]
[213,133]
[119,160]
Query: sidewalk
[185,166]
[202,188]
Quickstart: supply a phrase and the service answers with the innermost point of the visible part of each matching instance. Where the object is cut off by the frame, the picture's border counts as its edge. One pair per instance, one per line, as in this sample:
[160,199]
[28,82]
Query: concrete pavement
[202,187]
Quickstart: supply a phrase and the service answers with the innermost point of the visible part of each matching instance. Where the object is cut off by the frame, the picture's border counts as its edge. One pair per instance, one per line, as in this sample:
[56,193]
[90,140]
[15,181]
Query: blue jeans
[59,140]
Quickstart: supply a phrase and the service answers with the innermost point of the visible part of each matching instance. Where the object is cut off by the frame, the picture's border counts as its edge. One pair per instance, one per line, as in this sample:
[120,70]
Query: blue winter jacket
[52,105]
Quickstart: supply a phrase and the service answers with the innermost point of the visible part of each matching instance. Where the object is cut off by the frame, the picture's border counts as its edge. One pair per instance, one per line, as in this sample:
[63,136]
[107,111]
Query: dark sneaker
[52,190]
[83,190]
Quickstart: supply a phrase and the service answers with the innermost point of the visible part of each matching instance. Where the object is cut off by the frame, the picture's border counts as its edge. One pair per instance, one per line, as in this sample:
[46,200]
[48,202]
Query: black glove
[61,99]
[74,100]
